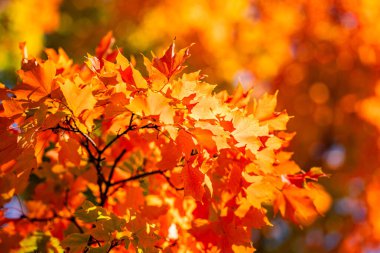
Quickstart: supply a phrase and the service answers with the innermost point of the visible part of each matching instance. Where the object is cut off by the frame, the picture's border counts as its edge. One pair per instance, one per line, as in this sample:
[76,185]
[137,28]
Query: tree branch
[55,216]
[117,160]
[86,136]
[108,182]
[39,219]
[121,183]
[171,183]
[74,130]
[74,221]
[129,128]
[138,176]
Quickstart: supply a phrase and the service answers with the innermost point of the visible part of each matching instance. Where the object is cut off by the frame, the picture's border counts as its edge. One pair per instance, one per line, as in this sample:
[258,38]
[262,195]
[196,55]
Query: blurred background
[322,55]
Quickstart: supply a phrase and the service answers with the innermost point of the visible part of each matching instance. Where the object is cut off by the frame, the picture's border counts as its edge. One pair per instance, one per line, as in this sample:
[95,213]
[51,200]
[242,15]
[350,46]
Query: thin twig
[74,221]
[121,183]
[84,135]
[38,219]
[55,216]
[135,177]
[129,128]
[117,160]
[171,183]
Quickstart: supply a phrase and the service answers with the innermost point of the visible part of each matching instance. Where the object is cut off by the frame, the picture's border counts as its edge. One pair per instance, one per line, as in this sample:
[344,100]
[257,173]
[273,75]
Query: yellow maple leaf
[78,99]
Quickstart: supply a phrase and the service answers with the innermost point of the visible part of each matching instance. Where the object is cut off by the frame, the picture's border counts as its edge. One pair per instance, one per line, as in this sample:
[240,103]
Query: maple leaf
[171,62]
[193,182]
[184,87]
[12,108]
[157,104]
[205,109]
[264,108]
[260,193]
[247,129]
[185,142]
[37,79]
[157,79]
[69,152]
[138,79]
[93,63]
[299,179]
[78,99]
[170,156]
[105,46]
[204,139]
[296,204]
[278,122]
[219,135]
[76,242]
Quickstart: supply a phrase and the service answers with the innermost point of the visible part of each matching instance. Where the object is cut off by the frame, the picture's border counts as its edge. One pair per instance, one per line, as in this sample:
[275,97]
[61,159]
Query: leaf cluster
[169,164]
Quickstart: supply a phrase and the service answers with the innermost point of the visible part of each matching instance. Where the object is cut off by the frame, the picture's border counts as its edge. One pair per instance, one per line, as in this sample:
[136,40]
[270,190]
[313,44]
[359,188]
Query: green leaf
[99,233]
[76,242]
[88,212]
[104,228]
[114,223]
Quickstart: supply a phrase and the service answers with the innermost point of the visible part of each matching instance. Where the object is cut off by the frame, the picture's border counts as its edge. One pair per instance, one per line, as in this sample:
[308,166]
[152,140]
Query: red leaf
[299,179]
[185,142]
[105,46]
[171,63]
[193,182]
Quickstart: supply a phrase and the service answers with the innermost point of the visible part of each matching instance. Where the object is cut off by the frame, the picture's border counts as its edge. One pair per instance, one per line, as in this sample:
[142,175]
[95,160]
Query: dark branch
[74,130]
[151,126]
[108,182]
[121,183]
[117,160]
[74,221]
[39,219]
[146,174]
[55,216]
[129,128]
[86,136]
[171,183]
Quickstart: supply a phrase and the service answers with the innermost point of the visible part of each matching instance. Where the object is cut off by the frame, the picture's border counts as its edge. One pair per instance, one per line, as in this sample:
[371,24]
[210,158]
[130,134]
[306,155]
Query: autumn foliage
[103,156]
